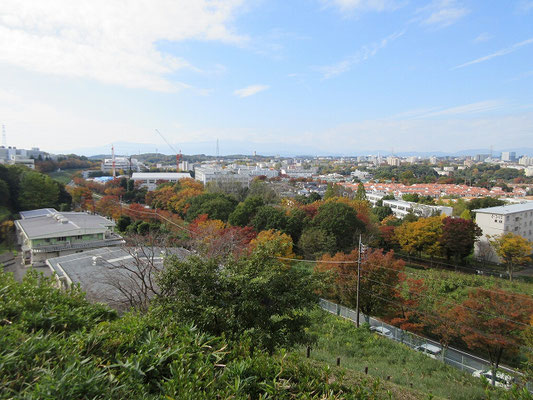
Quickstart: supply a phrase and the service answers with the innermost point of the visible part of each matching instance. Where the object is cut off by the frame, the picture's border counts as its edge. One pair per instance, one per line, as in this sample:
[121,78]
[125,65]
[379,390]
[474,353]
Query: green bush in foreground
[55,345]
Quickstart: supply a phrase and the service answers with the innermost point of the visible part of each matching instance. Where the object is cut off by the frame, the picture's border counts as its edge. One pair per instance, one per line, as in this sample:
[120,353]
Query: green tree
[269,217]
[296,223]
[255,296]
[245,211]
[341,221]
[484,202]
[37,191]
[123,222]
[314,242]
[4,193]
[215,205]
[512,249]
[262,189]
[360,194]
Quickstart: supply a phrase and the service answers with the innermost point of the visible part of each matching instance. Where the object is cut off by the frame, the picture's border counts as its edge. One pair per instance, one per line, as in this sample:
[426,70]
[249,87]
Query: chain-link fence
[454,357]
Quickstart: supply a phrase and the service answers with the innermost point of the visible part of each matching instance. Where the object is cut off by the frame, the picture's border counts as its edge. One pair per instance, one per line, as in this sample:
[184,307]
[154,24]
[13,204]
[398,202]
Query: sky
[322,76]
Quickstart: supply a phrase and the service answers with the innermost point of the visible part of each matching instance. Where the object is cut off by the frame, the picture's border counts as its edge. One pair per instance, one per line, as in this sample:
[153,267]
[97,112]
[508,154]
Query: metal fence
[451,356]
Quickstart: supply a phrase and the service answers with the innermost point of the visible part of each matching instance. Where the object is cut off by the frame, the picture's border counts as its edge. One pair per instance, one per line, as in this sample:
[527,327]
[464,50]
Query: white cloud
[365,5]
[499,53]
[35,123]
[525,6]
[250,90]
[482,37]
[114,42]
[442,13]
[363,54]
[465,109]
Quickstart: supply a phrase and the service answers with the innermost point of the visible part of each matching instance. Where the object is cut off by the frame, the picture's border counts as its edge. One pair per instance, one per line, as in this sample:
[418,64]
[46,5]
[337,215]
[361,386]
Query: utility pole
[358,281]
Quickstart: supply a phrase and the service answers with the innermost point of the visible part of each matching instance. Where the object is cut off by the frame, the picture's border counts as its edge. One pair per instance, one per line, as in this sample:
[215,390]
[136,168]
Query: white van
[430,350]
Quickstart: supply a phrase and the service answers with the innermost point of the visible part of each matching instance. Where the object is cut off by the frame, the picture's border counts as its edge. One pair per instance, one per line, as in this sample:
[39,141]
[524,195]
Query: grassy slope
[359,348]
[64,176]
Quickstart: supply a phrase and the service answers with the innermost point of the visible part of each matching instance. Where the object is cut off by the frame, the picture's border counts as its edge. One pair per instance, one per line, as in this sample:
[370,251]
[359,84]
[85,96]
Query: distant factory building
[121,163]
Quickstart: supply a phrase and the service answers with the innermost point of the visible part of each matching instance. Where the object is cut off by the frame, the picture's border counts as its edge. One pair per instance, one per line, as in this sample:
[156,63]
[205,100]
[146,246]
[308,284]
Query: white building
[151,180]
[508,156]
[257,171]
[394,161]
[401,208]
[221,176]
[495,221]
[121,163]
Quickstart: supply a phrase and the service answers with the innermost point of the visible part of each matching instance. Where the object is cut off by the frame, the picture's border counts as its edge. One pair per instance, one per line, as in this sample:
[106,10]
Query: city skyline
[335,75]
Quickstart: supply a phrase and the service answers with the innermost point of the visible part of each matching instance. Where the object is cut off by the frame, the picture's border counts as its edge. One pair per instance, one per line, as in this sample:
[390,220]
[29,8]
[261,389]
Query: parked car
[380,330]
[502,380]
[430,349]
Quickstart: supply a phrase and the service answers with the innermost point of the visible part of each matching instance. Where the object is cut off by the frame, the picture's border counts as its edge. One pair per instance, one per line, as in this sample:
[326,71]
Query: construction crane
[178,153]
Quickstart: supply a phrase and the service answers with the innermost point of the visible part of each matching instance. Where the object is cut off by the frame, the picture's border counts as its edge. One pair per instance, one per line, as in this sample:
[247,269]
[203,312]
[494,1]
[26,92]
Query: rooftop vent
[97,260]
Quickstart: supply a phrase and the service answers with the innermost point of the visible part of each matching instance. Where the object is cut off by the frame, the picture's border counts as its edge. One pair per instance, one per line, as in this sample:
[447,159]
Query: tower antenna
[218,150]
[113,160]
[4,137]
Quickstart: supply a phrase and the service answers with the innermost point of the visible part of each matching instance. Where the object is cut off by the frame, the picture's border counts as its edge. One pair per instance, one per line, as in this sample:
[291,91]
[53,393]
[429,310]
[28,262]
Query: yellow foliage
[274,242]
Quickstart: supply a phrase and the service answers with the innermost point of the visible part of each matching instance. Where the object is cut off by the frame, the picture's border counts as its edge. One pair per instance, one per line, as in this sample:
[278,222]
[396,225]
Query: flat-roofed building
[221,176]
[112,275]
[121,163]
[401,208]
[46,233]
[495,221]
[151,180]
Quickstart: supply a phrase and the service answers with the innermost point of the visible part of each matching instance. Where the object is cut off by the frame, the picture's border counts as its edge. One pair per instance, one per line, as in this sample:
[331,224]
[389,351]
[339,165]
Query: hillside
[56,345]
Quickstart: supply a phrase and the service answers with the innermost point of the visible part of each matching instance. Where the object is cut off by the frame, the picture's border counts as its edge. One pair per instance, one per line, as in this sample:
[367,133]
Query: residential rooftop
[60,224]
[507,209]
[100,272]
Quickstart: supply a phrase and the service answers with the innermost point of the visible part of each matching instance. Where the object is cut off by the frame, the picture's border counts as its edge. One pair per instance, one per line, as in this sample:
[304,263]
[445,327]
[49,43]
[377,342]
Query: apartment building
[495,221]
[401,208]
[221,176]
[151,180]
[46,233]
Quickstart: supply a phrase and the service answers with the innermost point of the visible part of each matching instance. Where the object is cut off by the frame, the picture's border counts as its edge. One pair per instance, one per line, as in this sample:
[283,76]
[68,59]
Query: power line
[456,304]
[392,269]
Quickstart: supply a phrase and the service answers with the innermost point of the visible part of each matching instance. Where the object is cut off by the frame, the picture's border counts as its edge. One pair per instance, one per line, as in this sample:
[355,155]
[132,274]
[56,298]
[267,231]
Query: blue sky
[339,76]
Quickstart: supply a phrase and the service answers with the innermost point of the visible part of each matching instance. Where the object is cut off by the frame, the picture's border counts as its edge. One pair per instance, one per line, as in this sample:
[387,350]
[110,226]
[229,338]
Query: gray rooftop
[101,272]
[41,212]
[59,224]
[507,209]
[160,175]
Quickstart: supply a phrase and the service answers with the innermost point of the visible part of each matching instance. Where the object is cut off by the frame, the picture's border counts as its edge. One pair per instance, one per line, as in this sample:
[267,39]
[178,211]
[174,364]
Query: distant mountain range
[271,149]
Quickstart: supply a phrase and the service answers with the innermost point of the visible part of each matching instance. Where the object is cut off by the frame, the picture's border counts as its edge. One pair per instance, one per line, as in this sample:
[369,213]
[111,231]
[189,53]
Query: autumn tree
[82,197]
[406,315]
[273,243]
[379,278]
[108,206]
[458,237]
[492,322]
[214,239]
[421,236]
[512,249]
